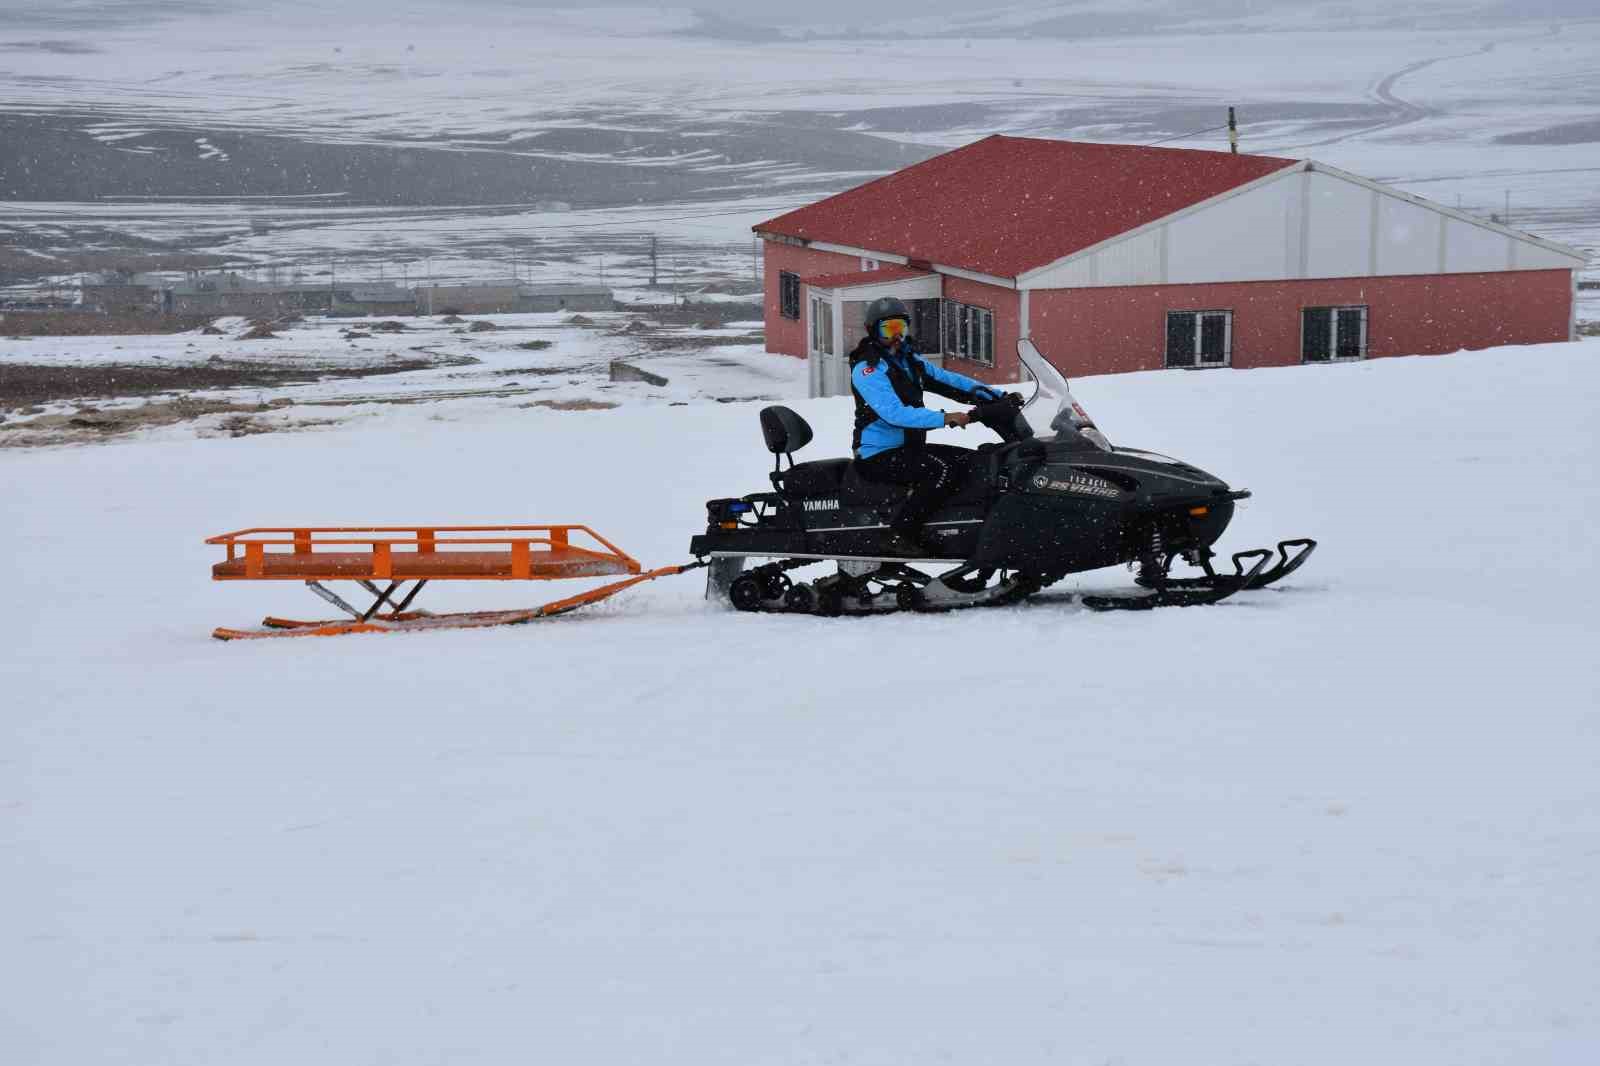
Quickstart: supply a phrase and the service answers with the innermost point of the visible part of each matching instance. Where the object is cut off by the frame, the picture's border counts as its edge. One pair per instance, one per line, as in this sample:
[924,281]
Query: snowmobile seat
[857,491]
[818,478]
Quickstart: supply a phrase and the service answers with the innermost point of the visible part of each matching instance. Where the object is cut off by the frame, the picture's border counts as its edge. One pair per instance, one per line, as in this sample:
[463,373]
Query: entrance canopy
[835,309]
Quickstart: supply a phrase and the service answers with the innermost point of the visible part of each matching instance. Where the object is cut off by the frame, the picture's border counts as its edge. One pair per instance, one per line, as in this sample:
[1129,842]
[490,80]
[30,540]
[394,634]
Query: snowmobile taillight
[725,514]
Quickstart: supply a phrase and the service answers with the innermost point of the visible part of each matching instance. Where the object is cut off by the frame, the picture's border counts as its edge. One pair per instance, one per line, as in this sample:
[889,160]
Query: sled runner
[394,556]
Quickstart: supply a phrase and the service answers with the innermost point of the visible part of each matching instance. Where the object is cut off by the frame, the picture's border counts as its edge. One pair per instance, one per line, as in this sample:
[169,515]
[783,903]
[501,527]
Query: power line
[1183,136]
[289,227]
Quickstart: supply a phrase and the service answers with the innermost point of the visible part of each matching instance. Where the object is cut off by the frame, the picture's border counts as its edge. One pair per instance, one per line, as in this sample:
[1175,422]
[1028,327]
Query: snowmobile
[1052,498]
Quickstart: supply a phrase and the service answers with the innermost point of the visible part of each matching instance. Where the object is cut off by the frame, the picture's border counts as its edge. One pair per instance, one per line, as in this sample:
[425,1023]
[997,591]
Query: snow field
[1351,819]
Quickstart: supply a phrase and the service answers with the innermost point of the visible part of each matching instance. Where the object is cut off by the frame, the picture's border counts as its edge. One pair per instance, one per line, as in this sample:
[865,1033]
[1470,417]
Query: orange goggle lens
[893,329]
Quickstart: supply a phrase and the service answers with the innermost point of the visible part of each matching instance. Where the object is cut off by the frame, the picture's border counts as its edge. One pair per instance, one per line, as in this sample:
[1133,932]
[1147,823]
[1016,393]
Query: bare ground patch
[23,385]
[573,405]
[94,324]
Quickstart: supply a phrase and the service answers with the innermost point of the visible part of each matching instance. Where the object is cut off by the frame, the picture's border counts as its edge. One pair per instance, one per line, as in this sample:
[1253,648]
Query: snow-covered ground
[1352,819]
[522,360]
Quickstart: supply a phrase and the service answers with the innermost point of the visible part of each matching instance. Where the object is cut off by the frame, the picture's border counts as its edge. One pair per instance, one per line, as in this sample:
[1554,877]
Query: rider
[888,378]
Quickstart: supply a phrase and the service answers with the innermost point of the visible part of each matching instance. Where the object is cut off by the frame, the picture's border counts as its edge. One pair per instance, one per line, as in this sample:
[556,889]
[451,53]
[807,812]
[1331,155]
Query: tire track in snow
[1405,112]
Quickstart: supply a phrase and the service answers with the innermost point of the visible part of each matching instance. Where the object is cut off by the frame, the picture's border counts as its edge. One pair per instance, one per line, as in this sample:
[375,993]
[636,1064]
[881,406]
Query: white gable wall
[1305,223]
[1244,237]
[1339,228]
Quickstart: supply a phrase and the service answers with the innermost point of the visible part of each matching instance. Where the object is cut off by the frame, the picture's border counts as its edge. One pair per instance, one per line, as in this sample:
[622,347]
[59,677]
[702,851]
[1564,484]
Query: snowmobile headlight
[730,525]
[1199,512]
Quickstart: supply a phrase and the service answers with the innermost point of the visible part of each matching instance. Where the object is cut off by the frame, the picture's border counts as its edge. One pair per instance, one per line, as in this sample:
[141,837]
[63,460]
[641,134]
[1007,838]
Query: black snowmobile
[1035,508]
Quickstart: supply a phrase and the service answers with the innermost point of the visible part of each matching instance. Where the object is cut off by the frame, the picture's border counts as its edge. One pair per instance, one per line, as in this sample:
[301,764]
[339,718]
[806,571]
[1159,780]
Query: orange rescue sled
[395,555]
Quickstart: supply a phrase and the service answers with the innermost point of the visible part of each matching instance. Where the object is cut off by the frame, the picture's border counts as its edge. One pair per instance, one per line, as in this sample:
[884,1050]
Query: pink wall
[1112,330]
[1006,307]
[787,336]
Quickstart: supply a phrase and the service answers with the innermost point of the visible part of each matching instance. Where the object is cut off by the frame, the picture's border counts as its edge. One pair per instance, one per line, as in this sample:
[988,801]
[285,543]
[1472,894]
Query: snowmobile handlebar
[1004,417]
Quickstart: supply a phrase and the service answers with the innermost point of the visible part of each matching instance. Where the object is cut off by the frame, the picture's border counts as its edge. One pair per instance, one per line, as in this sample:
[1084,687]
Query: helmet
[881,308]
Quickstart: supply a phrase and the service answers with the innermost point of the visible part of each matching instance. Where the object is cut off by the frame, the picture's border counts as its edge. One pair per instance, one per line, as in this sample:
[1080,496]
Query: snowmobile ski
[1286,565]
[1218,589]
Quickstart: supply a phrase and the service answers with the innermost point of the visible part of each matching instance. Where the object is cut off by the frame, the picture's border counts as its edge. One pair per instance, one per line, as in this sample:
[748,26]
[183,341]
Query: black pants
[935,473]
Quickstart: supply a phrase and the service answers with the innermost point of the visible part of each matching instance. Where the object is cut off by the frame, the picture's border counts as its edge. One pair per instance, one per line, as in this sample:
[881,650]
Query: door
[821,358]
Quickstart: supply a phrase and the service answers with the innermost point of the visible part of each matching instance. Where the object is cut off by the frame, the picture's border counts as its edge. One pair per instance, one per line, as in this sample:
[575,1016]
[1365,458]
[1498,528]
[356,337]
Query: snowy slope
[1351,820]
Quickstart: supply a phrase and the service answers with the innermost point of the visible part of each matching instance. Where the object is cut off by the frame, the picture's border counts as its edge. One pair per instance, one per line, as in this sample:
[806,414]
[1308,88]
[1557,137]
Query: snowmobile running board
[420,554]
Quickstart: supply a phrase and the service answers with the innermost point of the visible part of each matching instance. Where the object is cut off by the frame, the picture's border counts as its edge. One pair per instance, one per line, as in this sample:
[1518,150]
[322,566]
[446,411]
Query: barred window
[1329,333]
[969,332]
[925,325]
[1199,338]
[788,294]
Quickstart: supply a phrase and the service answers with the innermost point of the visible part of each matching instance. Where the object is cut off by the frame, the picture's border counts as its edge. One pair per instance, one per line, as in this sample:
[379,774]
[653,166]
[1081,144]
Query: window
[925,325]
[969,332]
[822,325]
[1333,333]
[1199,338]
[788,294]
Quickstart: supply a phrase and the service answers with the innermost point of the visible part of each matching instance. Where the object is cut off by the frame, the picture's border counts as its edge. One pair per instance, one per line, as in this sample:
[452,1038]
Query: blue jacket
[870,377]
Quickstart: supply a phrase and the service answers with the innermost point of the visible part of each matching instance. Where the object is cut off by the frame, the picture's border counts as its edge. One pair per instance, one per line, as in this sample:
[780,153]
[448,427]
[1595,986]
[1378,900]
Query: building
[568,298]
[505,297]
[234,294]
[371,300]
[120,291]
[1118,258]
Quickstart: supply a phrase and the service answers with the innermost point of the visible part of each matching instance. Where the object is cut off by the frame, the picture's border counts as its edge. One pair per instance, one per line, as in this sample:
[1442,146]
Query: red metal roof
[886,272]
[1005,205]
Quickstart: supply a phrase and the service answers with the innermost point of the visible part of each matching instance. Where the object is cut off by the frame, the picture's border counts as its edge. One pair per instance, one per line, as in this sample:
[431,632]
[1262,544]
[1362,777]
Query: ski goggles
[892,330]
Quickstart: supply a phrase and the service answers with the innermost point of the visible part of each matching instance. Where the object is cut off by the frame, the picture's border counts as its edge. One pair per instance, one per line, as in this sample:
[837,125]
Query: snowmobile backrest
[785,431]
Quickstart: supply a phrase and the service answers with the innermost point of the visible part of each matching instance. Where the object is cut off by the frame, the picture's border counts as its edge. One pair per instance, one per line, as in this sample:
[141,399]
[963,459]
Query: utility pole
[1233,133]
[652,261]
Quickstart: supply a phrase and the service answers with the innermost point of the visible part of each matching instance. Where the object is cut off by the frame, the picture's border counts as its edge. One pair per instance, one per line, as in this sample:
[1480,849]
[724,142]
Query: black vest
[908,381]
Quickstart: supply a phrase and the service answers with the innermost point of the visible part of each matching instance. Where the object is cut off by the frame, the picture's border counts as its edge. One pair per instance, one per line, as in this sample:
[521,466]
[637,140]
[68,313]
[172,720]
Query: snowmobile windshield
[1051,409]
[1049,389]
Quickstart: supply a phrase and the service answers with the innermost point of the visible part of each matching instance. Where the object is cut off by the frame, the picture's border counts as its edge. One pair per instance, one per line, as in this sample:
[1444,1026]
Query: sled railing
[434,553]
[419,554]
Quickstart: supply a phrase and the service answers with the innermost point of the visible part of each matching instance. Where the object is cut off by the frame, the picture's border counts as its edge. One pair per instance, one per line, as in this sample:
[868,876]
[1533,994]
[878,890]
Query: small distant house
[568,298]
[224,293]
[120,291]
[1117,258]
[373,300]
[512,297]
[234,294]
